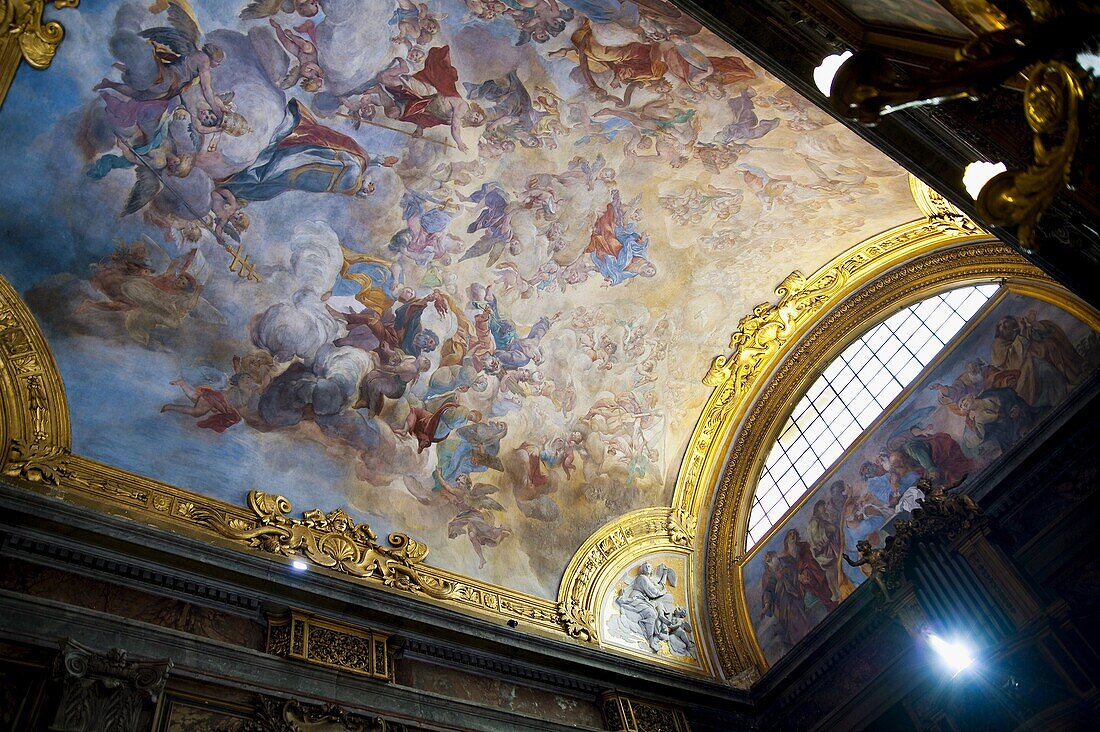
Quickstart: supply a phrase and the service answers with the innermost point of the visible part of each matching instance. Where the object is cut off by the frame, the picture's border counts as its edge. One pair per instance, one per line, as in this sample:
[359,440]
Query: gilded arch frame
[927,274]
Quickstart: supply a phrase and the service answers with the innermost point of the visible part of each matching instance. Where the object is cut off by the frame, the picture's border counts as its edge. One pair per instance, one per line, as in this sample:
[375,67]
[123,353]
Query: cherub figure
[228,216]
[416,26]
[875,561]
[207,404]
[307,72]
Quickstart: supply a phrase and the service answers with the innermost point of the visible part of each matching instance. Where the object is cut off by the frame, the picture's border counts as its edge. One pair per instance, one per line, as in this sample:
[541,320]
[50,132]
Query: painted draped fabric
[303,155]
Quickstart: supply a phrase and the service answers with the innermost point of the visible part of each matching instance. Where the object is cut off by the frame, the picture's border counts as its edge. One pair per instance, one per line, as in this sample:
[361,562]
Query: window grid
[850,395]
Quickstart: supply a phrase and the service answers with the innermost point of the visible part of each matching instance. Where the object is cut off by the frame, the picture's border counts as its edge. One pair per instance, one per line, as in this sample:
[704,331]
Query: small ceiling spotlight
[823,74]
[978,174]
[957,656]
[299,565]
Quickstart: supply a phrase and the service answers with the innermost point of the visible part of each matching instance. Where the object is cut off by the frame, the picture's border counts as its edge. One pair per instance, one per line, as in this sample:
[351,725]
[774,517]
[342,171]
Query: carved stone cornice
[25,35]
[104,691]
[281,715]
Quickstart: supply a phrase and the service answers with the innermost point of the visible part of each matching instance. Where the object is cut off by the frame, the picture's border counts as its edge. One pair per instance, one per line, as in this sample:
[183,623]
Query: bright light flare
[823,74]
[299,565]
[957,656]
[978,174]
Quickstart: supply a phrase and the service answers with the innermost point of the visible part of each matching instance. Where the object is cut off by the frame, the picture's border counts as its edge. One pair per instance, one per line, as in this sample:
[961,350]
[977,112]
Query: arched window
[856,387]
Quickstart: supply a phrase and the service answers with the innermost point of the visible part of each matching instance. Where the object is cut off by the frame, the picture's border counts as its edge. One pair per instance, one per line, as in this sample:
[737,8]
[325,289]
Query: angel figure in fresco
[207,404]
[398,328]
[430,97]
[616,249]
[494,221]
[148,299]
[206,120]
[532,474]
[671,133]
[180,58]
[416,25]
[772,190]
[424,425]
[498,338]
[745,125]
[643,602]
[305,69]
[303,155]
[394,373]
[162,154]
[259,9]
[472,448]
[475,512]
[510,114]
[425,238]
[649,65]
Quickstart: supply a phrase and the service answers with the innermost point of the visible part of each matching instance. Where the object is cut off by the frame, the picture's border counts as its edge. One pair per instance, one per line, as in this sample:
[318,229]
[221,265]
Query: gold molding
[331,540]
[786,381]
[24,35]
[1051,99]
[612,549]
[34,415]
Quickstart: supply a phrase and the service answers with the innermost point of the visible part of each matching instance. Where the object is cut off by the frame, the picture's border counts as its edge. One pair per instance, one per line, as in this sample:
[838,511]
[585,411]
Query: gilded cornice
[954,260]
[26,35]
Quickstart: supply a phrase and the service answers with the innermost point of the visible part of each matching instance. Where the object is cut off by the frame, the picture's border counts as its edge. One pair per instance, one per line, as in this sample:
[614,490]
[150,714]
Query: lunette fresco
[1020,359]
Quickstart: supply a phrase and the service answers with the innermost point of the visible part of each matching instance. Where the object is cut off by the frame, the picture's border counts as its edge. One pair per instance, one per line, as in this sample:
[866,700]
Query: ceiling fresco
[457,267]
[1016,361]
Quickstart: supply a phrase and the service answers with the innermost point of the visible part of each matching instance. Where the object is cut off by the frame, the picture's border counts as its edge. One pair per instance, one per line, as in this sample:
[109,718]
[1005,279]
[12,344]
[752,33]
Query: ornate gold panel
[630,714]
[327,643]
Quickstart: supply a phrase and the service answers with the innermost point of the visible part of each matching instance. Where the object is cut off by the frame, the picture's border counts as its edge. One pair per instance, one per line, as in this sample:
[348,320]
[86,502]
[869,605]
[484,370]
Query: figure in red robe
[423,425]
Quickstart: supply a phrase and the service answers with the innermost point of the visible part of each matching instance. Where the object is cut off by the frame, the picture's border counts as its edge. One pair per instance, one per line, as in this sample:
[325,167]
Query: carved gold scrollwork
[36,462]
[1051,104]
[331,540]
[770,326]
[23,34]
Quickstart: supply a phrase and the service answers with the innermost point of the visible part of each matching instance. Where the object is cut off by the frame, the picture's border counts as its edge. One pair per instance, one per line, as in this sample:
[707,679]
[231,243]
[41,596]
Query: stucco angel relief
[647,616]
